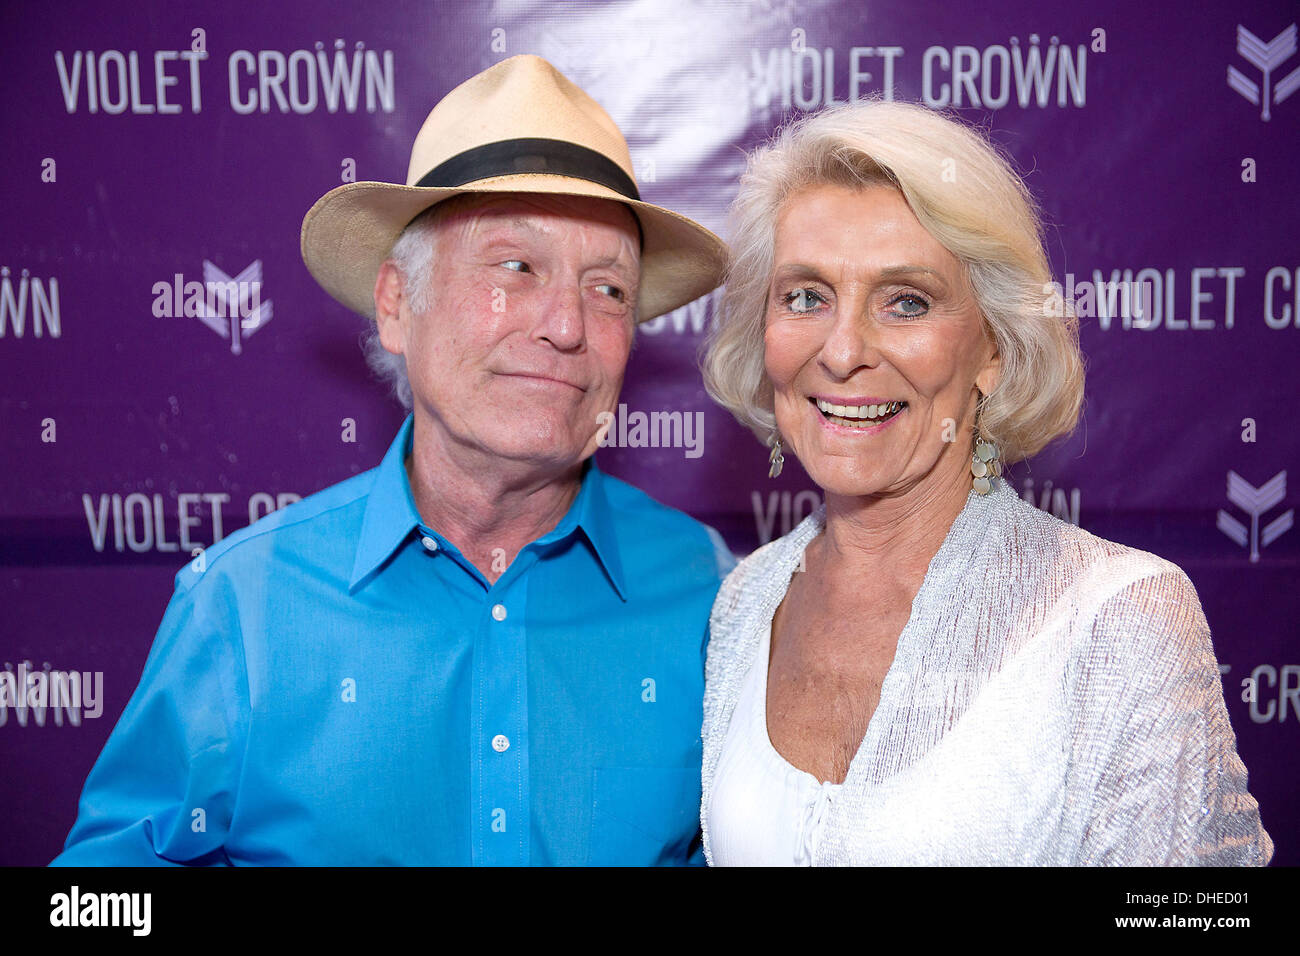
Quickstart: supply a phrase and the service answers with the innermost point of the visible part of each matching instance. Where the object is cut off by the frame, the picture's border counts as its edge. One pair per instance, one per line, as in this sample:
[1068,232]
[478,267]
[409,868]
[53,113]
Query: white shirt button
[499,612]
[430,543]
[500,743]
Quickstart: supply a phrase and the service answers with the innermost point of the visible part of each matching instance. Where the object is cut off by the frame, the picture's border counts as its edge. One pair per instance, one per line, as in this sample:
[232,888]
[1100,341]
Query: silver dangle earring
[985,465]
[776,459]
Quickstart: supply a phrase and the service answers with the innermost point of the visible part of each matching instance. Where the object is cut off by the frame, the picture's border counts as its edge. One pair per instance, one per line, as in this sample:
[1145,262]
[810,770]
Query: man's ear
[389,300]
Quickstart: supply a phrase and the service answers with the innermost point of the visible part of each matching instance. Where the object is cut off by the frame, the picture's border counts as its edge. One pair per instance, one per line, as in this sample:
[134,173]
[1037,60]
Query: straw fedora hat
[520,126]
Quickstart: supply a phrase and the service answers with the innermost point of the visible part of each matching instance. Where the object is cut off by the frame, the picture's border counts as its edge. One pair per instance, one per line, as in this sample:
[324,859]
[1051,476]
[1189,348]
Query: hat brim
[350,231]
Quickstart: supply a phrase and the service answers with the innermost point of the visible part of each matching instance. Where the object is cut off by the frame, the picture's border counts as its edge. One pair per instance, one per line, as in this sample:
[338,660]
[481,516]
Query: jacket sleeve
[163,790]
[1167,785]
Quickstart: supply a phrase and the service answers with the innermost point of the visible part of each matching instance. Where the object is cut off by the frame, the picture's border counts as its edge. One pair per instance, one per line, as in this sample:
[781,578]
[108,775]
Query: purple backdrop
[1159,139]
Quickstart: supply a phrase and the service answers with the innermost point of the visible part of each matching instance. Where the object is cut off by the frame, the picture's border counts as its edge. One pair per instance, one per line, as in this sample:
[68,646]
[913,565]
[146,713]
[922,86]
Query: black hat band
[510,157]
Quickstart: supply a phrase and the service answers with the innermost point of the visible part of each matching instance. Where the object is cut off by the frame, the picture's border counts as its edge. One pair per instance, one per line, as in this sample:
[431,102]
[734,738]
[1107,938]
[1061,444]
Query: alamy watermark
[38,694]
[1137,299]
[652,430]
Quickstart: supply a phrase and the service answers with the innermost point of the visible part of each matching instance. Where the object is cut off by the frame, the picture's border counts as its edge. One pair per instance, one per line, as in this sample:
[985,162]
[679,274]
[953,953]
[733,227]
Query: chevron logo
[1265,57]
[234,308]
[1255,501]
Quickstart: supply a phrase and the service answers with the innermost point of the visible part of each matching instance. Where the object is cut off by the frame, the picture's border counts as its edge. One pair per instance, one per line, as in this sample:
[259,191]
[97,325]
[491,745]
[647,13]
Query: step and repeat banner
[152,149]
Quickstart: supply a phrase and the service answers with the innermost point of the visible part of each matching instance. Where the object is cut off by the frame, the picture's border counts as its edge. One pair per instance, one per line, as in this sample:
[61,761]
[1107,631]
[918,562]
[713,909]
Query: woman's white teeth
[859,415]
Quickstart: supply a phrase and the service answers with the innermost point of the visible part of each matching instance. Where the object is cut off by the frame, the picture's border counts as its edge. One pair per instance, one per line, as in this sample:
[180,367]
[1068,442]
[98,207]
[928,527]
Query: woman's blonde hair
[966,195]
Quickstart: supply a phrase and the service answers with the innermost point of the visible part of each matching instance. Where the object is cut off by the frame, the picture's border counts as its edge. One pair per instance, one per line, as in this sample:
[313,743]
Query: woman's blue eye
[924,306]
[802,300]
[513,263]
[612,291]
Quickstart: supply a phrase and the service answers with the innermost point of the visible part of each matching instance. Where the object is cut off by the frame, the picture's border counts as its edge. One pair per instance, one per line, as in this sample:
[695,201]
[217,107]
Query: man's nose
[562,322]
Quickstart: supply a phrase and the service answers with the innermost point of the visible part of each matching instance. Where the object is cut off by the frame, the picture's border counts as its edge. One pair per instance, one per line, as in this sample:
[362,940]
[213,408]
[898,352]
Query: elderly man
[484,651]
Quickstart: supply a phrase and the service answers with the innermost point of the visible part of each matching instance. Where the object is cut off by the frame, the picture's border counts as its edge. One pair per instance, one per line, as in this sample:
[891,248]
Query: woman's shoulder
[1128,623]
[1121,605]
[759,574]
[1134,611]
[775,558]
[1093,568]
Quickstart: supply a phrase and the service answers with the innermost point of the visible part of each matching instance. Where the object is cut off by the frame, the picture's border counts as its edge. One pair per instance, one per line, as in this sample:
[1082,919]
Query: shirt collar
[391,514]
[592,513]
[390,508]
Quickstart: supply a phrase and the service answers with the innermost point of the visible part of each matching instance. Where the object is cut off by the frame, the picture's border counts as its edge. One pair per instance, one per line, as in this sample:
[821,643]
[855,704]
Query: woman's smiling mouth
[851,414]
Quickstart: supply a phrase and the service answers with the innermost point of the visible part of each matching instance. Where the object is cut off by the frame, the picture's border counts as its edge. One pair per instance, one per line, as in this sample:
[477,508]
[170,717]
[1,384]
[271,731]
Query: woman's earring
[984,465]
[776,459]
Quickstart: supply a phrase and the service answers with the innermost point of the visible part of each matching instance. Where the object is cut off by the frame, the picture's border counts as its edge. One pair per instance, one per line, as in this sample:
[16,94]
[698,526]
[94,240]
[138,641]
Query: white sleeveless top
[764,811]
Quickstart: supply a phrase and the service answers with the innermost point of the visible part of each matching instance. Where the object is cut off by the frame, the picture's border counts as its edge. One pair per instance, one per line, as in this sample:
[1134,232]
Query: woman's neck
[891,538]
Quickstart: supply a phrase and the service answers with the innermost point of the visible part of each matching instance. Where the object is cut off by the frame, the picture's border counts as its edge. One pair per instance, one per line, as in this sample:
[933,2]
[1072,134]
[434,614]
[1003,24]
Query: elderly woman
[928,670]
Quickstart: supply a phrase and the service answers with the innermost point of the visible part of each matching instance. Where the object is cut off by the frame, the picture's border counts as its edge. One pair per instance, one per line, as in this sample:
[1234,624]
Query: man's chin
[546,448]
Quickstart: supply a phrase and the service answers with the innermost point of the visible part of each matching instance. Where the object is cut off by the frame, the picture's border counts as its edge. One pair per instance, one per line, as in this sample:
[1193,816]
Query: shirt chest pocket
[643,816]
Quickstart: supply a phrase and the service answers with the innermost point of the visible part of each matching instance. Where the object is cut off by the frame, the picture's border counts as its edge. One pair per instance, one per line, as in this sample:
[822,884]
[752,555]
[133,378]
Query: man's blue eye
[612,291]
[516,265]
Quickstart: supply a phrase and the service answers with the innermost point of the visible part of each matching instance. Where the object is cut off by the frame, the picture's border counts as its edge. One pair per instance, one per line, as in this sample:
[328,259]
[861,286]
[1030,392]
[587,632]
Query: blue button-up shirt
[337,684]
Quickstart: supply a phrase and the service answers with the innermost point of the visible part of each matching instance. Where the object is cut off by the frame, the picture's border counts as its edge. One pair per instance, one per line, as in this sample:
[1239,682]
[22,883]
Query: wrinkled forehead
[550,216]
